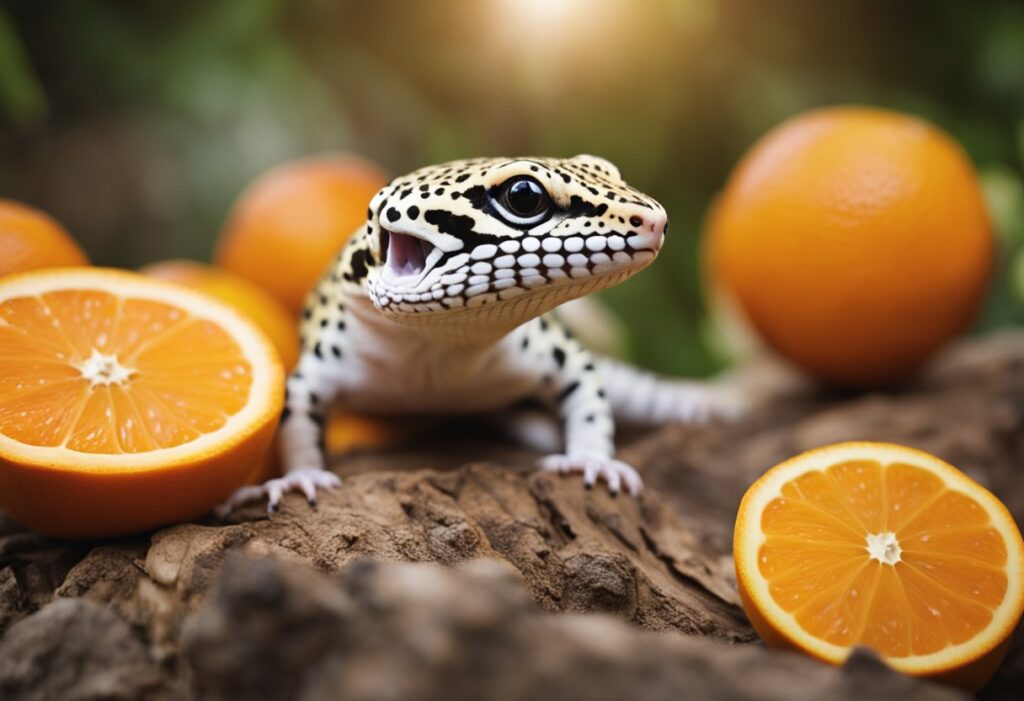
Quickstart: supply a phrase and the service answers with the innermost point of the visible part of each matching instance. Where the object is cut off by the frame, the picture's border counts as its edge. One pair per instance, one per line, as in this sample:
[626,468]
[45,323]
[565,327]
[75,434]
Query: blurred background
[137,124]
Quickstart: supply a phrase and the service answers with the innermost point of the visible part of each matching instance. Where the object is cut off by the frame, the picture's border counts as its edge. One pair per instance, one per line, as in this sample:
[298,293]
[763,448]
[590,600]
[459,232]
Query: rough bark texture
[317,604]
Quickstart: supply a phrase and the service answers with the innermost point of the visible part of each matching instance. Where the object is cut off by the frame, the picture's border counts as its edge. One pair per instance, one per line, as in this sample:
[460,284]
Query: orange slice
[126,402]
[884,546]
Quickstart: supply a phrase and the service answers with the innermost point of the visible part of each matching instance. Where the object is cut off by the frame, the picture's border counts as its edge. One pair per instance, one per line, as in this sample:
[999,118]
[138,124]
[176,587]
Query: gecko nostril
[635,220]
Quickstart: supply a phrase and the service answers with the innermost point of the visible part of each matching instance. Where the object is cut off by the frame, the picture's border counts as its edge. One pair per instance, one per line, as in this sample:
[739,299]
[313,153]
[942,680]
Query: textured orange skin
[291,222]
[77,503]
[856,240]
[260,307]
[30,239]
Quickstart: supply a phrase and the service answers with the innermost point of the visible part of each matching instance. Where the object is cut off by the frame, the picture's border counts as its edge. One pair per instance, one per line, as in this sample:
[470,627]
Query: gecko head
[506,239]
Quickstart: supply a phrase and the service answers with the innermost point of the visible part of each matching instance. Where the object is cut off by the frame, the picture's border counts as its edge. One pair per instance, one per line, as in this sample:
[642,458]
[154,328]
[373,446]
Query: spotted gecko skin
[439,305]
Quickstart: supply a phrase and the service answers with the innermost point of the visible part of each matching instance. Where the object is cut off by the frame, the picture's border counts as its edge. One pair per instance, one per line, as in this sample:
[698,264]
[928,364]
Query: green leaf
[1004,195]
[21,96]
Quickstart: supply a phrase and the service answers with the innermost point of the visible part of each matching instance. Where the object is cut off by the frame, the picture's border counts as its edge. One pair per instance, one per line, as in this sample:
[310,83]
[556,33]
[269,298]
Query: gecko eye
[521,201]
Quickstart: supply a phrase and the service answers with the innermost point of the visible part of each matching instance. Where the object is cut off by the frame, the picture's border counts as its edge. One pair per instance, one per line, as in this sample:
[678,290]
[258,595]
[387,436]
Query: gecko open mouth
[406,256]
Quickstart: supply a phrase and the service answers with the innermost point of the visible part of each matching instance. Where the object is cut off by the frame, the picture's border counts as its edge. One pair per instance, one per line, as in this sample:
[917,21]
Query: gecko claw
[614,472]
[306,480]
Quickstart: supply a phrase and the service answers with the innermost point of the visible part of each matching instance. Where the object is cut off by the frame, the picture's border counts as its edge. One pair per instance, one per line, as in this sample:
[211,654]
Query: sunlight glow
[546,23]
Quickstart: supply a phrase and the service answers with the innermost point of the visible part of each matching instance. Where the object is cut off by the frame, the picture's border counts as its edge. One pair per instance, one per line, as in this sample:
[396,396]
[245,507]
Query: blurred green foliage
[136,124]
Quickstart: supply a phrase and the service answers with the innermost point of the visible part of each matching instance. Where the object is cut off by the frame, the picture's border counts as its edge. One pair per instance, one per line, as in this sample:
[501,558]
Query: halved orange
[126,402]
[884,546]
[254,302]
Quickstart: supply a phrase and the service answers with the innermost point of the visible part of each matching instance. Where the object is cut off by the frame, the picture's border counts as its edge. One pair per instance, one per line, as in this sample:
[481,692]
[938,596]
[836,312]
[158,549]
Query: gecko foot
[305,480]
[594,467]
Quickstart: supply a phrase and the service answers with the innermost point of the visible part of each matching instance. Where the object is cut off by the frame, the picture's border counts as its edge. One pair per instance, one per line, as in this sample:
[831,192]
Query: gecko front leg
[300,441]
[312,388]
[574,387]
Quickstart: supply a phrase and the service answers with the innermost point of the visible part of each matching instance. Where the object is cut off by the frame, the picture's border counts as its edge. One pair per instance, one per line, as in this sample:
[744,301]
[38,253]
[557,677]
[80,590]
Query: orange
[30,239]
[347,430]
[884,546]
[855,240]
[291,222]
[259,306]
[126,402]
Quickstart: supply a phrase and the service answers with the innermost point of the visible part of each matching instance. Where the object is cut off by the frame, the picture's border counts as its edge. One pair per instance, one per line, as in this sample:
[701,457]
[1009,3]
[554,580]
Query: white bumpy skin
[438,306]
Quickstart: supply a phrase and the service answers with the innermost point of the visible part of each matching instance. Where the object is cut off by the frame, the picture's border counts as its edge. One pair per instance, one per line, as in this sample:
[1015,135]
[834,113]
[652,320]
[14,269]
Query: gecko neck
[483,326]
[465,336]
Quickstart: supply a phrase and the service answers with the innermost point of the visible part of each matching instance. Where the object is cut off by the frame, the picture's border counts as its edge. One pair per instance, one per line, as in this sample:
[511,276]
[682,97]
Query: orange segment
[134,400]
[880,545]
[258,305]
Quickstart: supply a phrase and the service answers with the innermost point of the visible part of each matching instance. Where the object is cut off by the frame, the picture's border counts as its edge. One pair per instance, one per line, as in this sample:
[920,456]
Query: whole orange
[288,225]
[855,240]
[260,307]
[30,239]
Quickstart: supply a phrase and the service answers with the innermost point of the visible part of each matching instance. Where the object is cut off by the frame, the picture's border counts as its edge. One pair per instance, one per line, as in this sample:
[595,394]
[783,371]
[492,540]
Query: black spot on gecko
[589,367]
[600,393]
[335,351]
[579,207]
[526,342]
[323,323]
[543,324]
[462,178]
[341,325]
[460,226]
[394,214]
[567,392]
[413,212]
[286,414]
[358,266]
[477,196]
[559,355]
[318,351]
[590,418]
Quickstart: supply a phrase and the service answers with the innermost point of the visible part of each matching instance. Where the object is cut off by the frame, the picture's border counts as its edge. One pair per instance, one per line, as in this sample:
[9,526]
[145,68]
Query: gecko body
[439,305]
